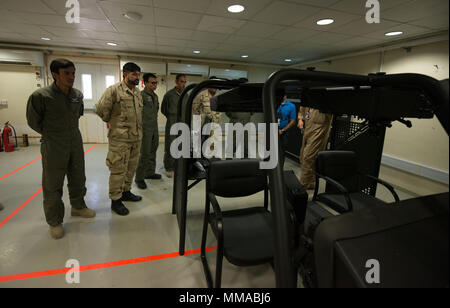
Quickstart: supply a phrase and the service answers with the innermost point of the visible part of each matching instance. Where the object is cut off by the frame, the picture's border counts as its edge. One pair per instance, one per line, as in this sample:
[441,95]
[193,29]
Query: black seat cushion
[248,236]
[359,200]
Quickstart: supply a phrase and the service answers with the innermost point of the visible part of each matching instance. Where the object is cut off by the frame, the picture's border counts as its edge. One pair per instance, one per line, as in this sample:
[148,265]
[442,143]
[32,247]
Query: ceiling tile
[176,19]
[357,7]
[64,32]
[435,22]
[170,42]
[272,44]
[111,36]
[28,6]
[131,28]
[415,10]
[169,50]
[4,27]
[209,36]
[326,38]
[294,34]
[130,2]
[358,42]
[242,40]
[318,3]
[30,29]
[195,6]
[261,30]
[219,24]
[138,39]
[193,45]
[142,47]
[174,33]
[284,13]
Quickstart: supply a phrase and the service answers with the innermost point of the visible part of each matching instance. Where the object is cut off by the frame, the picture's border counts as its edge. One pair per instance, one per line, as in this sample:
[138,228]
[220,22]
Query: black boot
[118,207]
[141,184]
[128,196]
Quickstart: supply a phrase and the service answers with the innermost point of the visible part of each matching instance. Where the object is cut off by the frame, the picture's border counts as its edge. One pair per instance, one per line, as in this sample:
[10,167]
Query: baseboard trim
[415,168]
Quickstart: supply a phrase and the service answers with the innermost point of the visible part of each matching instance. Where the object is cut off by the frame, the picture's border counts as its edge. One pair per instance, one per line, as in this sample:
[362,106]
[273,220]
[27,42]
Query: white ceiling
[268,31]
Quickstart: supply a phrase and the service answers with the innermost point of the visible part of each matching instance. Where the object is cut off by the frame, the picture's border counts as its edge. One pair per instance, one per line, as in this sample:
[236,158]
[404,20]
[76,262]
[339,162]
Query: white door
[92,80]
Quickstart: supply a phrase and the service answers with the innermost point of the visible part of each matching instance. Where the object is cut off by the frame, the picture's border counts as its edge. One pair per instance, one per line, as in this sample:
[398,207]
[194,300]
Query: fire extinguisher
[6,134]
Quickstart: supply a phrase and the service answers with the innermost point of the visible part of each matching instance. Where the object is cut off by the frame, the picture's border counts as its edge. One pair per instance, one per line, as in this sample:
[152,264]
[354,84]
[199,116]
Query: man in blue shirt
[286,115]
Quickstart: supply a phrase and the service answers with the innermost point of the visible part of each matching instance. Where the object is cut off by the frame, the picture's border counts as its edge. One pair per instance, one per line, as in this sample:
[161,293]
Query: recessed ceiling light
[227,70]
[288,60]
[46,38]
[237,8]
[324,22]
[111,44]
[132,16]
[394,33]
[244,56]
[197,51]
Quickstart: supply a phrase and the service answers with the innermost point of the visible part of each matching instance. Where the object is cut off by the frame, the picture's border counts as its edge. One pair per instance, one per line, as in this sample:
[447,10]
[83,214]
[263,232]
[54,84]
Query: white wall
[16,85]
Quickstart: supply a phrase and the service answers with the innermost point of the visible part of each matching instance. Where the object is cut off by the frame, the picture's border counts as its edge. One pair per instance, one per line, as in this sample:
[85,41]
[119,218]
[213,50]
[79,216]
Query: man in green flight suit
[54,112]
[169,108]
[150,138]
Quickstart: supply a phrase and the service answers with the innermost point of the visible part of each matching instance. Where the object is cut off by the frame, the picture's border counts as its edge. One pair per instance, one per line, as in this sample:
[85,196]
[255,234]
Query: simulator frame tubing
[181,179]
[283,259]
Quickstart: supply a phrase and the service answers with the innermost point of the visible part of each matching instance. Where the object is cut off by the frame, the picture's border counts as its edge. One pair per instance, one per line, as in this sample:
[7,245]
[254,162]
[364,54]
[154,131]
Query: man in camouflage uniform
[169,109]
[54,112]
[121,107]
[202,106]
[317,129]
[150,139]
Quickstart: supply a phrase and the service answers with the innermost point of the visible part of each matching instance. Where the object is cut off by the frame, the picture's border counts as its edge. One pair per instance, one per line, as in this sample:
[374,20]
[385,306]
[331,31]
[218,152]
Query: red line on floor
[20,168]
[101,265]
[20,207]
[91,148]
[33,196]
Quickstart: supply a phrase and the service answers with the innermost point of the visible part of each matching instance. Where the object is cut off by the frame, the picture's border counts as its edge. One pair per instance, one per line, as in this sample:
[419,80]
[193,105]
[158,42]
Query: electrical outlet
[4,102]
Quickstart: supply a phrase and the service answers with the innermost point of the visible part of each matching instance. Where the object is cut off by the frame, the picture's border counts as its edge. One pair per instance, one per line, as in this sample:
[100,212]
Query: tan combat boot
[57,232]
[85,213]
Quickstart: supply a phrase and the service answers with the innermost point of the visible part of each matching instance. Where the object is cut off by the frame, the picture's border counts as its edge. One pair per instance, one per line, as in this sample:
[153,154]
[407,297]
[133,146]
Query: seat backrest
[236,178]
[341,166]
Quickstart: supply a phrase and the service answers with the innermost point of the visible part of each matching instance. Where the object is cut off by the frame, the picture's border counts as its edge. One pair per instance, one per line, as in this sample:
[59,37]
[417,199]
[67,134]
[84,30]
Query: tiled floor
[150,230]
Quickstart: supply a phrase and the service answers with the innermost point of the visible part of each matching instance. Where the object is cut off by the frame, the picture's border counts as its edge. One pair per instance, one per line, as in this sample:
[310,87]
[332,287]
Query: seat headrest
[236,178]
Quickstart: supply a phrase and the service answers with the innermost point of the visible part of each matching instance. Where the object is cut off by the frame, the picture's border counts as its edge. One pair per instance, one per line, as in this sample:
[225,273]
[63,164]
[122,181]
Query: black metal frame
[345,192]
[283,258]
[284,266]
[181,187]
[210,198]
